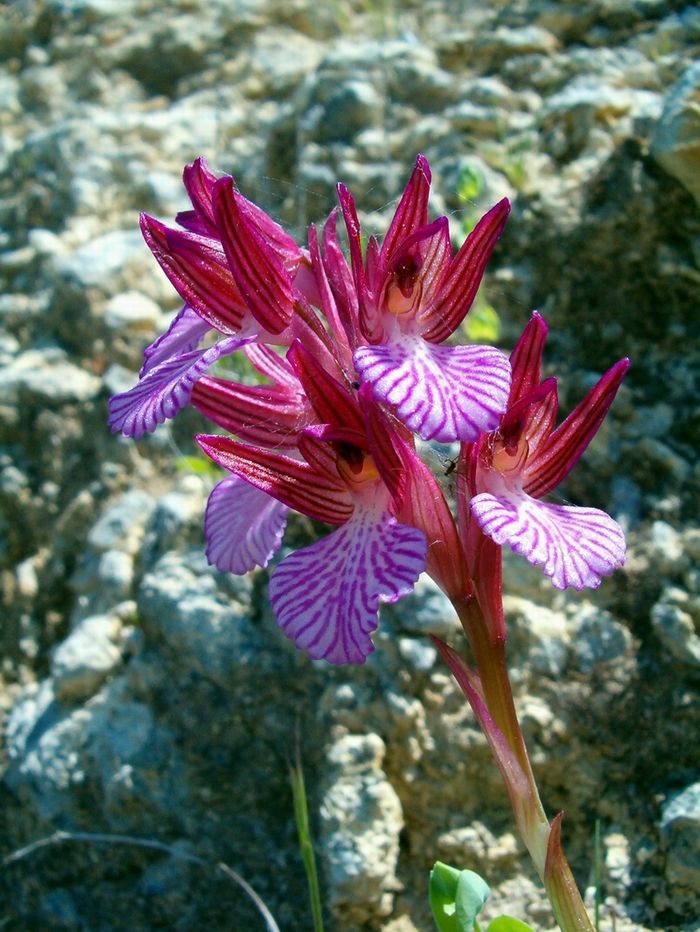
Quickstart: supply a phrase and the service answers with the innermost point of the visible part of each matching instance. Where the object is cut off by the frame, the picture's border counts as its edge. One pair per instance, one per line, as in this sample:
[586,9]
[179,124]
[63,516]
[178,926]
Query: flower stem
[541,839]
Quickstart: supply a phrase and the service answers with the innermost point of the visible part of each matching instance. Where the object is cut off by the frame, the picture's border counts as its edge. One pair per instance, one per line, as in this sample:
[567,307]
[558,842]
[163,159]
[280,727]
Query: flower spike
[511,469]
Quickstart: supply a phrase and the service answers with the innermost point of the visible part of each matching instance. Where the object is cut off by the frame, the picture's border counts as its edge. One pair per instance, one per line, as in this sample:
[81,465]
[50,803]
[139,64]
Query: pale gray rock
[47,377]
[181,605]
[538,637]
[106,260]
[666,549]
[676,141]
[426,611]
[133,311]
[674,625]
[122,525]
[54,751]
[598,639]
[89,655]
[361,819]
[680,831]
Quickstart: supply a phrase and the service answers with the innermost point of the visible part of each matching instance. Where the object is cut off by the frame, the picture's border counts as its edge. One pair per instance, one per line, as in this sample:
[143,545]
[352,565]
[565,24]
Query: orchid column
[354,362]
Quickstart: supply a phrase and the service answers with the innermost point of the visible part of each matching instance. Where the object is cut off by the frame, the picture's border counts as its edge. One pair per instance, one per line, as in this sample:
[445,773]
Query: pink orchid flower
[412,295]
[511,469]
[240,276]
[326,596]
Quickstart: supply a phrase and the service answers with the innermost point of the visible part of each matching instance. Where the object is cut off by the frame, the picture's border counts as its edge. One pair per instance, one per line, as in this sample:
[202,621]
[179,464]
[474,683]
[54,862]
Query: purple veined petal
[199,183]
[196,267]
[440,392]
[574,546]
[184,334]
[412,211]
[526,358]
[326,597]
[262,279]
[557,454]
[320,495]
[458,288]
[274,367]
[165,389]
[243,526]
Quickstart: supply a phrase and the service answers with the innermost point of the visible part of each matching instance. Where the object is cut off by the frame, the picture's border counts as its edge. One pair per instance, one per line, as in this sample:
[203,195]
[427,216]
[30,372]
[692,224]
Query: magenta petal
[323,496]
[262,279]
[165,389]
[412,211]
[197,269]
[458,288]
[443,393]
[557,454]
[526,358]
[326,597]
[183,335]
[574,546]
[199,183]
[243,526]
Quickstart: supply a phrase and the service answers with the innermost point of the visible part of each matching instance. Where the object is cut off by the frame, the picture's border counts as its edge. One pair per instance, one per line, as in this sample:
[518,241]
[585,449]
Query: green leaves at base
[508,924]
[456,899]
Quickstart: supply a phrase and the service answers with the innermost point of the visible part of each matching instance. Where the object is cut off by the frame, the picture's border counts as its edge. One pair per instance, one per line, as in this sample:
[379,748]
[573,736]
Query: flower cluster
[354,361]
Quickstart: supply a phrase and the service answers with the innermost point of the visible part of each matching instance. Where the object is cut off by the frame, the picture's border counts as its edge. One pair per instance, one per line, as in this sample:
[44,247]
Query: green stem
[534,827]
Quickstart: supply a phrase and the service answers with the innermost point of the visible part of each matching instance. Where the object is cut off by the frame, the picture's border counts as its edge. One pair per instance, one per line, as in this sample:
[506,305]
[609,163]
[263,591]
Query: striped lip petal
[326,597]
[264,283]
[184,334]
[557,455]
[260,414]
[243,526]
[460,285]
[297,484]
[526,358]
[443,393]
[196,267]
[165,389]
[574,546]
[412,211]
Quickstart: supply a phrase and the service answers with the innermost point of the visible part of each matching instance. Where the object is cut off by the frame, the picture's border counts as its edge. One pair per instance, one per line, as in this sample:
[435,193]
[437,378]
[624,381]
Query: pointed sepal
[558,454]
[459,287]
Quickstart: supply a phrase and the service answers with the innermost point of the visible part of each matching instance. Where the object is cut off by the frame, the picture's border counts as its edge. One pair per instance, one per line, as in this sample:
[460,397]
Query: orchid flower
[326,596]
[237,272]
[512,468]
[412,295]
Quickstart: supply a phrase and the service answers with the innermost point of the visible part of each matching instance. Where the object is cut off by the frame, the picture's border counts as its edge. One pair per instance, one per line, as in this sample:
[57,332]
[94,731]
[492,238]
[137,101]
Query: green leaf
[483,325]
[470,184]
[509,924]
[456,897]
[196,464]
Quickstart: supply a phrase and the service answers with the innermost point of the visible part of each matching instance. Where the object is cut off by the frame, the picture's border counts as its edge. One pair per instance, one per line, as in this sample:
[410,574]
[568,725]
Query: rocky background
[146,695]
